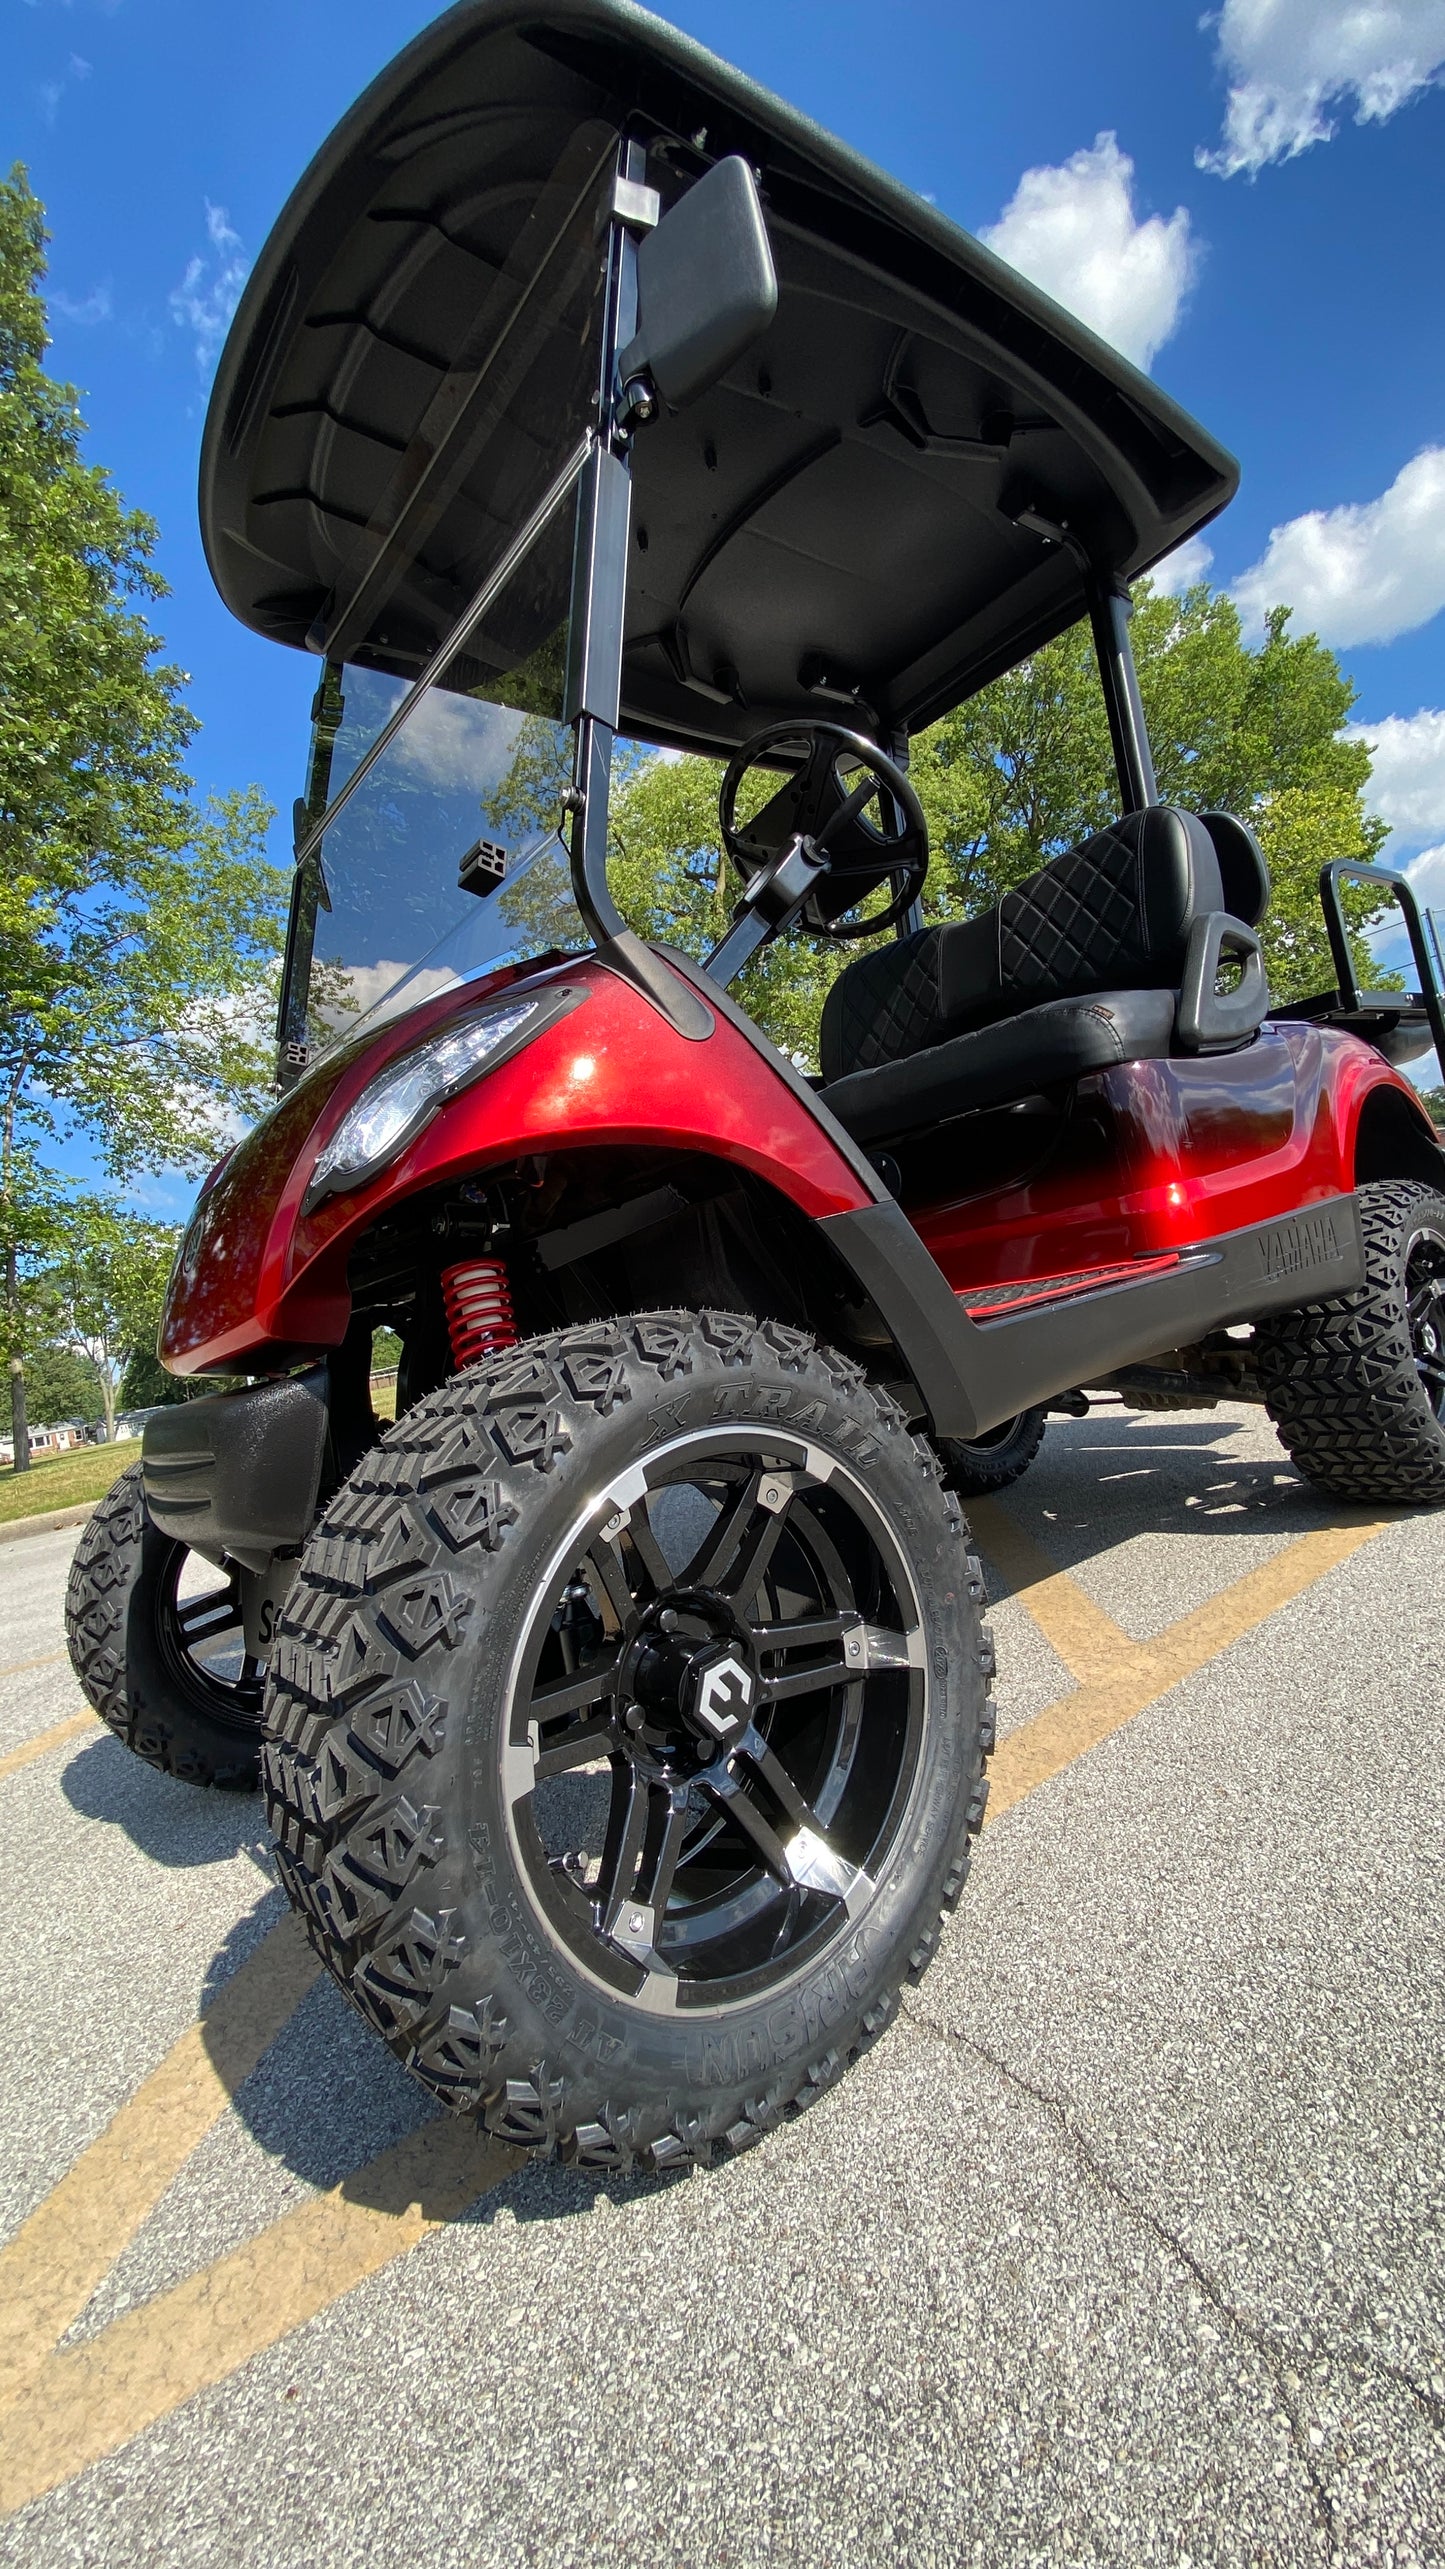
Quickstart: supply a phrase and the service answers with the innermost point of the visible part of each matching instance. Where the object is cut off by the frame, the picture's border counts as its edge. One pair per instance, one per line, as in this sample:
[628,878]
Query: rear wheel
[1356,1385]
[155,1638]
[993,1461]
[626,1733]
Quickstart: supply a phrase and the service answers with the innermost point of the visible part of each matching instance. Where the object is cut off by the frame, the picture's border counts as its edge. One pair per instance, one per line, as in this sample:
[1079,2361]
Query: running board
[991,1302]
[975,1369]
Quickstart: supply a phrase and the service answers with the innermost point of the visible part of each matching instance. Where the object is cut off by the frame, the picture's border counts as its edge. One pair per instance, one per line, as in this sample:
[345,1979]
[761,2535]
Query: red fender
[259,1281]
[1176,1153]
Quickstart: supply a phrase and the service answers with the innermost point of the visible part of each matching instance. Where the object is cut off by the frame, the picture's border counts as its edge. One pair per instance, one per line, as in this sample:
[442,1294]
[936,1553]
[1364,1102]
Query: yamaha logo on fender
[1294,1247]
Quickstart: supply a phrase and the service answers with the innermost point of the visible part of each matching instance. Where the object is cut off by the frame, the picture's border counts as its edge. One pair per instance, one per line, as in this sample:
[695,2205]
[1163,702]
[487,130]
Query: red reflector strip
[994,1302]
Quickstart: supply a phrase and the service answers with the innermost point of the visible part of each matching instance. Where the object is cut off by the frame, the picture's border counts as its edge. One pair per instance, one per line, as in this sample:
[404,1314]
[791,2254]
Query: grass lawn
[63,1480]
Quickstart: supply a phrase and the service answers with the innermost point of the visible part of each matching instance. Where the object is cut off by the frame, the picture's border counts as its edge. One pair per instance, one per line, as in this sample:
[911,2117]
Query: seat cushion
[1113,913]
[1037,1050]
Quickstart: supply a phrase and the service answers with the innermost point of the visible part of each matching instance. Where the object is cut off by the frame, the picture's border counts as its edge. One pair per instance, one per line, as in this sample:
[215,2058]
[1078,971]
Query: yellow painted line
[1067,1729]
[49,2270]
[92,2398]
[1089,1642]
[44,1741]
[21,1667]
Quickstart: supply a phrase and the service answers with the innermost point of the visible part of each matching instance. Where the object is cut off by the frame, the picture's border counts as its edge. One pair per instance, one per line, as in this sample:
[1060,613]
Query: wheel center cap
[716,1695]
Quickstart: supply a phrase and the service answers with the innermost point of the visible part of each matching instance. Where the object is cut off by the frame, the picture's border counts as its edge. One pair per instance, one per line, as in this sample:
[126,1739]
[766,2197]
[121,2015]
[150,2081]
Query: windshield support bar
[1110,608]
[599,603]
[446,651]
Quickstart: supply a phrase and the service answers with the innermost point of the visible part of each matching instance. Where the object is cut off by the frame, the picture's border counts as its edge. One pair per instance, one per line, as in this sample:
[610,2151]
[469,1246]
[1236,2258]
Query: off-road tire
[1341,1378]
[389,1694]
[996,1461]
[120,1583]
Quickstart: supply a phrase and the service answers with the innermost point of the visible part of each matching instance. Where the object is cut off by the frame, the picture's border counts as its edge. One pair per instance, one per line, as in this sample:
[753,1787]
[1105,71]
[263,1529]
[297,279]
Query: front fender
[260,1281]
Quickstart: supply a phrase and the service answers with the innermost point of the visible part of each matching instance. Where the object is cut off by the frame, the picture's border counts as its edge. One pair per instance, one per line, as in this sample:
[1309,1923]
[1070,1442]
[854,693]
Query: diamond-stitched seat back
[883,1007]
[1077,924]
[1112,914]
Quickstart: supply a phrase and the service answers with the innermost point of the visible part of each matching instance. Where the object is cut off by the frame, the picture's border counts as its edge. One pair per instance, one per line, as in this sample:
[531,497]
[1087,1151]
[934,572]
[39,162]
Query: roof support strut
[1109,612]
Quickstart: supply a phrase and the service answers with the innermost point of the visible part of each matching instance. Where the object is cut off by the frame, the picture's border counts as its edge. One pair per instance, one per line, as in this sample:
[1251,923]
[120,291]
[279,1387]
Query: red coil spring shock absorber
[480,1318]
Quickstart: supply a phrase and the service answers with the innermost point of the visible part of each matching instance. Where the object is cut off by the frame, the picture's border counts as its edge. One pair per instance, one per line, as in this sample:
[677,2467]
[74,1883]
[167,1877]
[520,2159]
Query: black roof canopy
[839,514]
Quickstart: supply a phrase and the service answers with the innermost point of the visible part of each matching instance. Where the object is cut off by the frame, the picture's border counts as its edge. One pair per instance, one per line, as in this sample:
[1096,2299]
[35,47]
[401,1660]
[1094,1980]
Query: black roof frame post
[599,602]
[1110,608]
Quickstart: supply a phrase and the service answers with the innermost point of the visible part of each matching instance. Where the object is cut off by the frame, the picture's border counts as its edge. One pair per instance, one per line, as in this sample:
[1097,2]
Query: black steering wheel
[824,801]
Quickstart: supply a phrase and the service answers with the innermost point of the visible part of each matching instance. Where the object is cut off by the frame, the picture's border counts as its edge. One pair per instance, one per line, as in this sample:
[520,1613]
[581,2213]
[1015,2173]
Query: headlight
[392,1110]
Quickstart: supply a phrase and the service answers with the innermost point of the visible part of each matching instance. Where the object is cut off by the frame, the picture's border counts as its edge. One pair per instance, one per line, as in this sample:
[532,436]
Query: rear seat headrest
[1242,868]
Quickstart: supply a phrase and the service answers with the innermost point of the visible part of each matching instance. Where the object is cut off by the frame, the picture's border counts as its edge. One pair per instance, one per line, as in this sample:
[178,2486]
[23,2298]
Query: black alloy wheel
[717,1718]
[156,1639]
[625,1733]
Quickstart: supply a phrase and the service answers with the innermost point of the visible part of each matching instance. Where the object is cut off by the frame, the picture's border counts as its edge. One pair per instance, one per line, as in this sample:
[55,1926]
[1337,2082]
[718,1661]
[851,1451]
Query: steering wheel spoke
[819,806]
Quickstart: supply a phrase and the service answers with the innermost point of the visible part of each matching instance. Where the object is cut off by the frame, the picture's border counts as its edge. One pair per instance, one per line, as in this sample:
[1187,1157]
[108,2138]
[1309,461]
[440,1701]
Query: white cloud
[1180,569]
[455,743]
[51,92]
[93,307]
[1289,61]
[1363,572]
[1073,231]
[210,290]
[384,990]
[1407,780]
[1426,873]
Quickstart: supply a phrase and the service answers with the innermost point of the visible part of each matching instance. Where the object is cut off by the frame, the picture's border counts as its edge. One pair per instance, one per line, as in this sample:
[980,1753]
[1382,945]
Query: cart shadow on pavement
[172,1823]
[330,2103]
[1120,1473]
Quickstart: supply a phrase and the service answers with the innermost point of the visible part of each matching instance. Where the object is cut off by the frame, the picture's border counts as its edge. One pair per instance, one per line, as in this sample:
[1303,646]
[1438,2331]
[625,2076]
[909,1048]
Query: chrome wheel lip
[659,1991]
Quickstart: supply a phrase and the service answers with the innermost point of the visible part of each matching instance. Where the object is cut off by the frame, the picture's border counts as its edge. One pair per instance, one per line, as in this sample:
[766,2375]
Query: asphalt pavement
[1126,2245]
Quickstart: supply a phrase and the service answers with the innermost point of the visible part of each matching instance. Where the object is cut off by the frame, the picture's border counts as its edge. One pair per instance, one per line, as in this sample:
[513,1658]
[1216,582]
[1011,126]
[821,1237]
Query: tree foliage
[1023,770]
[138,934]
[61,1384]
[107,1285]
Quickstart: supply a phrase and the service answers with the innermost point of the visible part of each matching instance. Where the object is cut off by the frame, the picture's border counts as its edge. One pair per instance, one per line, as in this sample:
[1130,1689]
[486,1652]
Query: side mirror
[706,286]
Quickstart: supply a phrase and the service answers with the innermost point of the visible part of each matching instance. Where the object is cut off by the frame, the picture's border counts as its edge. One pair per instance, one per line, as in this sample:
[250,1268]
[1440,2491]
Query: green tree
[138,934]
[1023,770]
[108,1284]
[61,1383]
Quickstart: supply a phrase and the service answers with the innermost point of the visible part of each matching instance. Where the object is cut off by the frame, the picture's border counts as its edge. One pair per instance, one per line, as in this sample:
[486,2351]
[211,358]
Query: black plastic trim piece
[644,969]
[942,1348]
[972,1375]
[237,1476]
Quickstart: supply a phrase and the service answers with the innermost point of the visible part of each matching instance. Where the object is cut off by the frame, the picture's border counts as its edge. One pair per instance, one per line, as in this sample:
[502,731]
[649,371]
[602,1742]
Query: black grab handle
[1206,1020]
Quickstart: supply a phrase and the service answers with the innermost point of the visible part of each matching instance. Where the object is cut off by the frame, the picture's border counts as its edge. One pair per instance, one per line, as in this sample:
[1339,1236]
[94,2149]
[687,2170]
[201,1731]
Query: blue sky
[1263,228]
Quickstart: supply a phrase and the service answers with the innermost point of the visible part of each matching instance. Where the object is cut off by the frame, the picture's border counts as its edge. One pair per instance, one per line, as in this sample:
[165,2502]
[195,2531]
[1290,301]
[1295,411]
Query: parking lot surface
[1127,2244]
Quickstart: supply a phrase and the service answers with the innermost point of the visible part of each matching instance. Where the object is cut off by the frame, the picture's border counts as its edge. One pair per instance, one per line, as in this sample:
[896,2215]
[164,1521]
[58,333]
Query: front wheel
[1356,1385]
[626,1733]
[155,1637]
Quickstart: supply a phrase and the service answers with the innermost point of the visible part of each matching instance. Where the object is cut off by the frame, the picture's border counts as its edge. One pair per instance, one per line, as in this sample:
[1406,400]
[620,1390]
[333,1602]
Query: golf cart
[621,1709]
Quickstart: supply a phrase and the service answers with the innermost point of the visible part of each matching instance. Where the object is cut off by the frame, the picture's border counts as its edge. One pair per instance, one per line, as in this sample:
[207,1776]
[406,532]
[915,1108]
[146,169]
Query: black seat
[1074,970]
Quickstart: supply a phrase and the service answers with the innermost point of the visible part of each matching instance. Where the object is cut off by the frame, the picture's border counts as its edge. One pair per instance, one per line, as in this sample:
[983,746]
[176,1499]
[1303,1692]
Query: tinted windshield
[443,857]
[456,768]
